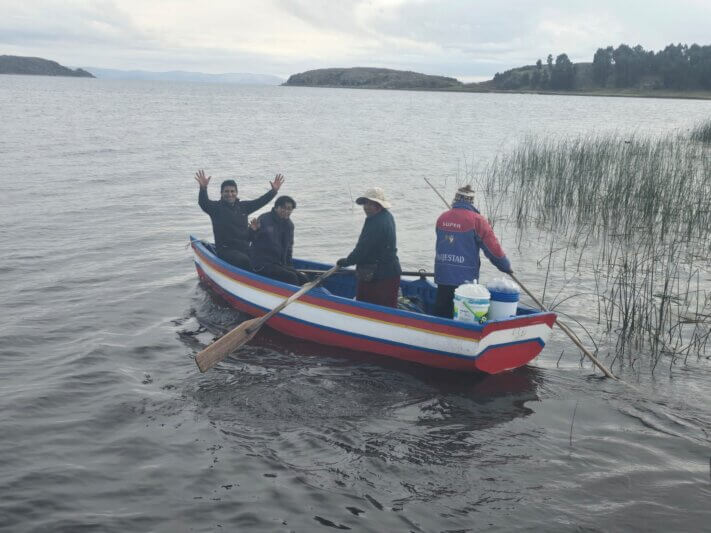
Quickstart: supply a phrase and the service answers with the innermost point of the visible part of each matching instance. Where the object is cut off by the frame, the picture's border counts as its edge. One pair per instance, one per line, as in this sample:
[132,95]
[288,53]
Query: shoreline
[691,95]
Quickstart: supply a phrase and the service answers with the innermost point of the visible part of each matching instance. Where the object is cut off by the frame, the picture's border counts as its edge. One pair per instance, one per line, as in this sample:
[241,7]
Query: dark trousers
[444,304]
[235,257]
[281,273]
[381,292]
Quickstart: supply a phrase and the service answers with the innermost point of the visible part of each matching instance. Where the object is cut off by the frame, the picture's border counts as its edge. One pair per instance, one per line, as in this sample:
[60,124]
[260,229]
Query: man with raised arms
[229,217]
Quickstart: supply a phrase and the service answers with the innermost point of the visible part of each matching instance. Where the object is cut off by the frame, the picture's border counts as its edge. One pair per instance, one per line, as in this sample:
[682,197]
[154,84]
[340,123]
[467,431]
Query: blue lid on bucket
[503,290]
[504,296]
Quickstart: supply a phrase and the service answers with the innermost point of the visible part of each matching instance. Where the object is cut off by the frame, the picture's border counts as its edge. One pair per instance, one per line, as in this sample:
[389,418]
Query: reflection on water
[321,371]
[394,435]
[108,426]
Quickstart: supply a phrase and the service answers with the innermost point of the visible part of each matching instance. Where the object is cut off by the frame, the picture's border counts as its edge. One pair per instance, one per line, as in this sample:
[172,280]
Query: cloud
[467,38]
[51,22]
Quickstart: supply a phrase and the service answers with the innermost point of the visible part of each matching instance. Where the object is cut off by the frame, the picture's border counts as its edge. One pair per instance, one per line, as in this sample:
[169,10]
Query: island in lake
[371,78]
[38,67]
[680,71]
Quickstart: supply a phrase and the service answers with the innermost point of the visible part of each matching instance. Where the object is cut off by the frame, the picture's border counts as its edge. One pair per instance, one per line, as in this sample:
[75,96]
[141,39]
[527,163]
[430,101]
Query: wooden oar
[242,334]
[351,271]
[562,326]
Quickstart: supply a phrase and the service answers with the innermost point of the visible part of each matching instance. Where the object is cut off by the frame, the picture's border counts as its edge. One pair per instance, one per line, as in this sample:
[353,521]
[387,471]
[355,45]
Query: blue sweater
[273,242]
[461,233]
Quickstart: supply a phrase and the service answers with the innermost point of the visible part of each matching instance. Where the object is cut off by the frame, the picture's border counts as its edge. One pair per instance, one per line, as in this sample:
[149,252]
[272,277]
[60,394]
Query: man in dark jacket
[461,233]
[375,255]
[273,243]
[229,217]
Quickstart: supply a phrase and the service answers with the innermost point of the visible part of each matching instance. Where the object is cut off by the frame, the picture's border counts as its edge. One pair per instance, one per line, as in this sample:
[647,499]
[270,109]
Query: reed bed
[702,132]
[633,212]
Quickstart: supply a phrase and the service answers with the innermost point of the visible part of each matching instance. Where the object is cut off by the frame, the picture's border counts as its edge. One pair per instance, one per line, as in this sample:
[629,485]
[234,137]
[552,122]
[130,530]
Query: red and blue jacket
[461,233]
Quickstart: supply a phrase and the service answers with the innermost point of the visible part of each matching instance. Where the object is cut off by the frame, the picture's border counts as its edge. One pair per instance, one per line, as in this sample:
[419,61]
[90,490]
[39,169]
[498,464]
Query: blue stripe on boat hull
[378,339]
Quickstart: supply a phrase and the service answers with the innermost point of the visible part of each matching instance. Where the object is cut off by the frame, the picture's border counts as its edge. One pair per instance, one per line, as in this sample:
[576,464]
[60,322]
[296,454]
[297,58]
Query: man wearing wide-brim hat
[375,254]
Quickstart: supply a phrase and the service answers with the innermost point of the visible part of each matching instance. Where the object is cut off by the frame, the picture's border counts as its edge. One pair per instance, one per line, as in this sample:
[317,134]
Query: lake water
[106,424]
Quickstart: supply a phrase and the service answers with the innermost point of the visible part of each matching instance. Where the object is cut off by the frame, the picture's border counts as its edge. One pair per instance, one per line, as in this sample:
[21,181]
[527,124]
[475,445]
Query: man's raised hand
[278,180]
[201,179]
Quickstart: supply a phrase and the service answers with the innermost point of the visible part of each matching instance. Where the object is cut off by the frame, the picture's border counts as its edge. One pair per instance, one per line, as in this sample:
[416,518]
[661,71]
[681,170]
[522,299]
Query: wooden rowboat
[331,316]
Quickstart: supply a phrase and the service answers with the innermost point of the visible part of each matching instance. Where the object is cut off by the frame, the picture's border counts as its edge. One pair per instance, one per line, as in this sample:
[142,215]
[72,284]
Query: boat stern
[510,344]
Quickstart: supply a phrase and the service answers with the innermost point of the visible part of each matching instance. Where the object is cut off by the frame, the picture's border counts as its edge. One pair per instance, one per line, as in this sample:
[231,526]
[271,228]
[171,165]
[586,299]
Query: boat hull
[324,318]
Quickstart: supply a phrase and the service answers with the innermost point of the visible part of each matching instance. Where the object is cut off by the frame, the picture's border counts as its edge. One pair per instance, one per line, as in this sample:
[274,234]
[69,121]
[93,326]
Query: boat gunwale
[355,307]
[415,347]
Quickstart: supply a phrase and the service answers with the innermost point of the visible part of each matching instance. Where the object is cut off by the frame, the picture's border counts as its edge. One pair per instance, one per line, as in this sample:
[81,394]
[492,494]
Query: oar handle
[306,288]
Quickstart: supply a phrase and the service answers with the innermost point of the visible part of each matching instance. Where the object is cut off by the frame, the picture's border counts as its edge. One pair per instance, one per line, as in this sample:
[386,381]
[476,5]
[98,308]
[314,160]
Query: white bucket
[504,299]
[471,302]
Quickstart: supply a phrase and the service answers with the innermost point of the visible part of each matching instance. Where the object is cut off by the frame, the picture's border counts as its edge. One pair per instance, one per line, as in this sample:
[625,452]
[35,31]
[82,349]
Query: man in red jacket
[461,233]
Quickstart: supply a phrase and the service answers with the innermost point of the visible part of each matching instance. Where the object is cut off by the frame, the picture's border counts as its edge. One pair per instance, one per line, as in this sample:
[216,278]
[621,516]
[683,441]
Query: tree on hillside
[630,65]
[623,57]
[537,75]
[700,65]
[602,65]
[676,67]
[563,73]
[672,64]
[644,60]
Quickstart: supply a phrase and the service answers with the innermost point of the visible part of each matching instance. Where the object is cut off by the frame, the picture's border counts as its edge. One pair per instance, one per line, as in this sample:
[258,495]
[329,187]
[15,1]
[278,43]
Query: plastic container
[504,298]
[471,302]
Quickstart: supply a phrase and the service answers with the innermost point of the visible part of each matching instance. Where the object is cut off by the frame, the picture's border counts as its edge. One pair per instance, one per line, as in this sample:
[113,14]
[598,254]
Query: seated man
[375,254]
[229,218]
[273,242]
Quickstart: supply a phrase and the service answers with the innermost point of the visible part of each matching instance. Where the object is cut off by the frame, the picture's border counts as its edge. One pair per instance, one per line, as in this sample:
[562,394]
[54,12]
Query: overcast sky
[466,39]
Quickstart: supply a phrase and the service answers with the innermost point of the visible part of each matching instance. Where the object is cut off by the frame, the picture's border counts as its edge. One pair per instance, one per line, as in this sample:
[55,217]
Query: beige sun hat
[376,194]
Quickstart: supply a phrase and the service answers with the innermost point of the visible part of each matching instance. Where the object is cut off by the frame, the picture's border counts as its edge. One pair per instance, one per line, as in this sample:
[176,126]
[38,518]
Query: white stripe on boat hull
[360,326]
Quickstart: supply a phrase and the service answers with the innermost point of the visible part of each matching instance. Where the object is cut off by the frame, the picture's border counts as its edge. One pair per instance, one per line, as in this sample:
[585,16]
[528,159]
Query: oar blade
[227,344]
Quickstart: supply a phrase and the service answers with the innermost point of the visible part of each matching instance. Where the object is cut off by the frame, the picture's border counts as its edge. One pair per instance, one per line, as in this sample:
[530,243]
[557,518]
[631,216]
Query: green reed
[702,132]
[636,213]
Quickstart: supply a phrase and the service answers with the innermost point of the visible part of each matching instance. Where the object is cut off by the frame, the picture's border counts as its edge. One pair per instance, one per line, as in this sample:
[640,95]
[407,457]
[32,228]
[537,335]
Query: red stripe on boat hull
[384,316]
[493,361]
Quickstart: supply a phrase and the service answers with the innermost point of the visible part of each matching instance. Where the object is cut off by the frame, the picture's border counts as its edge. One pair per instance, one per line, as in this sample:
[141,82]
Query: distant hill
[530,77]
[38,67]
[179,75]
[371,78]
[678,67]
